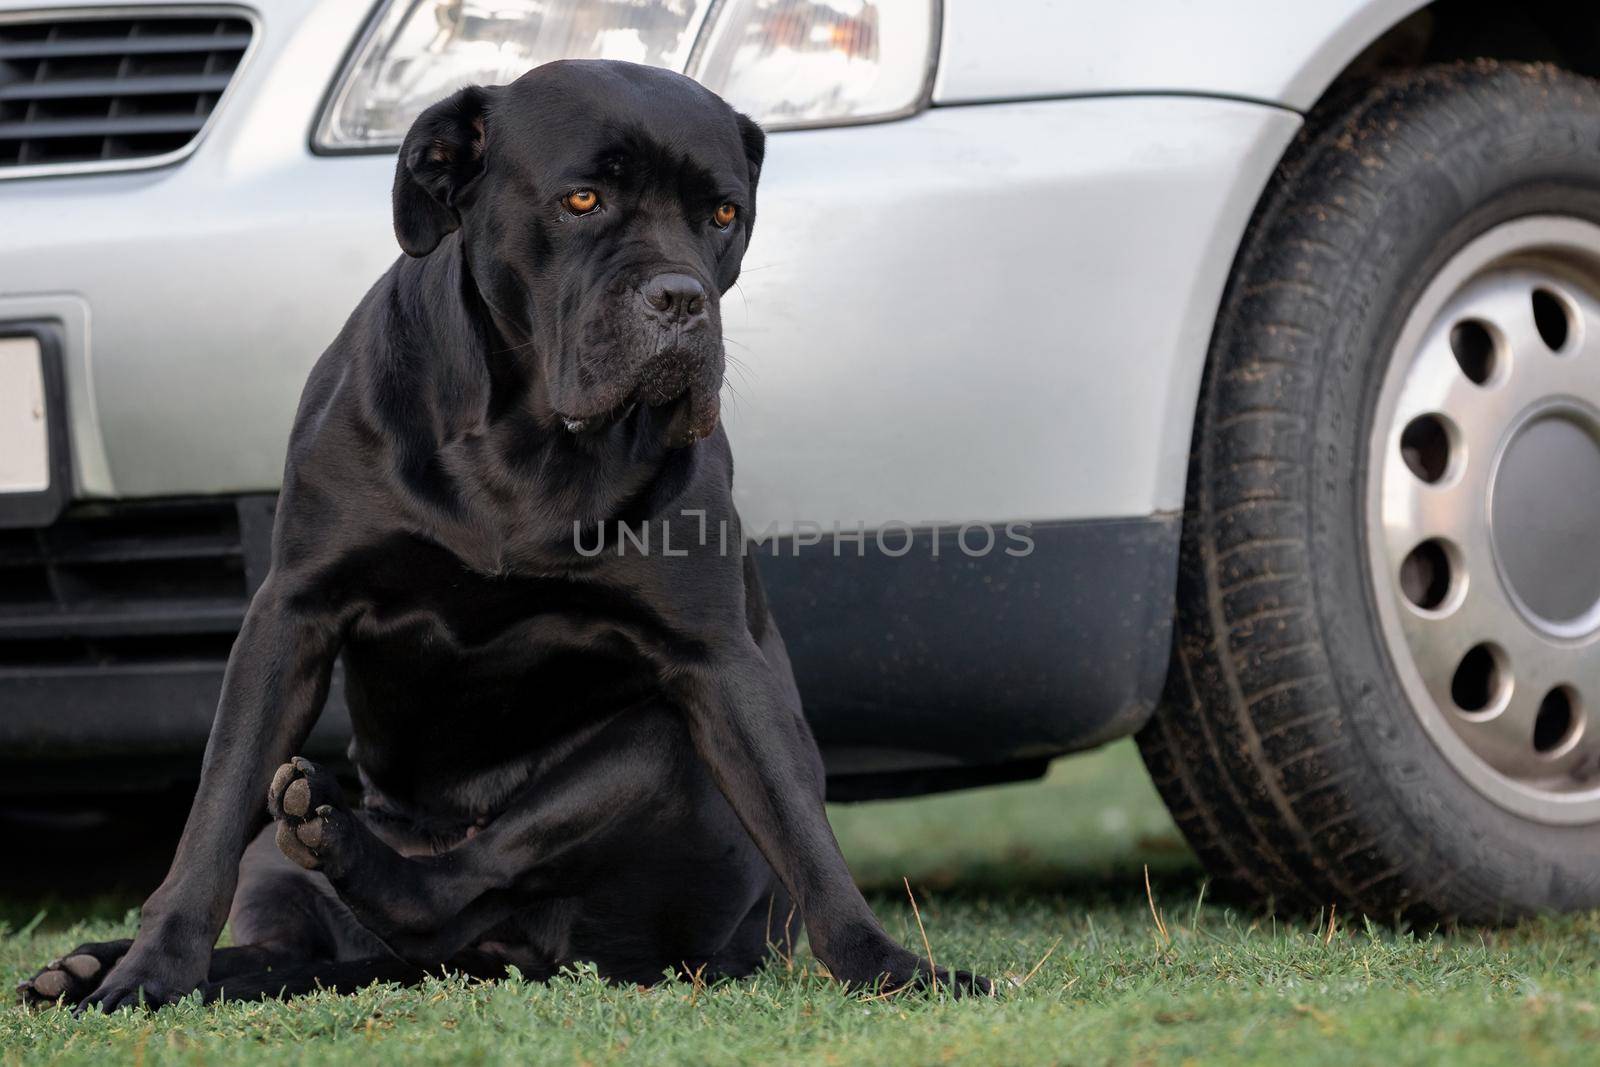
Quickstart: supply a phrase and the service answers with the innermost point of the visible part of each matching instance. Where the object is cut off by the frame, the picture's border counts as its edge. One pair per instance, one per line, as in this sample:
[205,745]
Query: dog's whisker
[515,348]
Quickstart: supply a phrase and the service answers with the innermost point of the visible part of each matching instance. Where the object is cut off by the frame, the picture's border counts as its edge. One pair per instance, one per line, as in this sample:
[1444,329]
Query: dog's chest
[442,655]
[449,712]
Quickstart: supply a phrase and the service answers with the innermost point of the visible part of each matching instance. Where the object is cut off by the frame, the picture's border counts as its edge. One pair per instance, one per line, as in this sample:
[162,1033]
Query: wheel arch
[1265,51]
[1377,38]
[1384,36]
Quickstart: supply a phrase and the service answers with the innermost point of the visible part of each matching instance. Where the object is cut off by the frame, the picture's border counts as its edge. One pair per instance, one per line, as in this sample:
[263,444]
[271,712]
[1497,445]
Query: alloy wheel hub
[1484,515]
[1546,516]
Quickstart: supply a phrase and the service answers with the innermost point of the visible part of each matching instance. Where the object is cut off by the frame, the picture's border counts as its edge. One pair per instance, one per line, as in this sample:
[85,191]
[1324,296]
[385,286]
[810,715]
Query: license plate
[24,417]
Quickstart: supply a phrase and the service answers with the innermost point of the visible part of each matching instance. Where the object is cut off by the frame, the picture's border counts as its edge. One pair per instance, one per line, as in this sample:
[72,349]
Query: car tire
[1311,743]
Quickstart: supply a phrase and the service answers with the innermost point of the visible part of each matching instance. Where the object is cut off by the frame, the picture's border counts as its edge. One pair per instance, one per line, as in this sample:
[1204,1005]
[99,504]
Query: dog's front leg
[762,756]
[276,682]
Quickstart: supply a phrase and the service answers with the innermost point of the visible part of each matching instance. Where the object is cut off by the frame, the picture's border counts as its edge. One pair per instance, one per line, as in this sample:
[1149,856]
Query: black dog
[567,755]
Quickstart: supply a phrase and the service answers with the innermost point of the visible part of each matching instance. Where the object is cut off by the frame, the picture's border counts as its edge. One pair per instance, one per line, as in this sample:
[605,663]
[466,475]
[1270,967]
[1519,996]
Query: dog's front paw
[890,968]
[957,983]
[313,822]
[149,974]
[913,974]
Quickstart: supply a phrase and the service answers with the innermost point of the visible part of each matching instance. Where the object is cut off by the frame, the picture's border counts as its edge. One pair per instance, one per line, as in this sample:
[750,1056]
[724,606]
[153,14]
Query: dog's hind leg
[297,977]
[290,923]
[427,908]
[73,976]
[294,912]
[253,973]
[769,928]
[76,974]
[247,972]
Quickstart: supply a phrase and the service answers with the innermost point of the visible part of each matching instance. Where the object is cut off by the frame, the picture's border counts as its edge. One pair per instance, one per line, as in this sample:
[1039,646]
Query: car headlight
[785,63]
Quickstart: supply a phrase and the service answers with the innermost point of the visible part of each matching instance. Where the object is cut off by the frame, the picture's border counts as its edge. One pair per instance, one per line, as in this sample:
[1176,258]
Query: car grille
[103,91]
[116,622]
[124,583]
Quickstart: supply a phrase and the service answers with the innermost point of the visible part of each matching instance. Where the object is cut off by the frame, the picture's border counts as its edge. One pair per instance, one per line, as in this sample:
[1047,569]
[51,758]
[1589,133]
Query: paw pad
[305,800]
[70,978]
[297,798]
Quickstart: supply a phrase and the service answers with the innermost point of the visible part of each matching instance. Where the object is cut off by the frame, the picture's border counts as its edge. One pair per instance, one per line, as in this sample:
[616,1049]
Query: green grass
[1039,885]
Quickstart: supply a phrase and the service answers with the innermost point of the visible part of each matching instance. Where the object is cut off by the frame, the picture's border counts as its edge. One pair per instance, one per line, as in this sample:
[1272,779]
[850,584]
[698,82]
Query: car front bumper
[991,313]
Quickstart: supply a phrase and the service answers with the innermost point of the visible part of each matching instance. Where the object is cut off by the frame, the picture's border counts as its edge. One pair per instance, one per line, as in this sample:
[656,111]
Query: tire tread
[1251,743]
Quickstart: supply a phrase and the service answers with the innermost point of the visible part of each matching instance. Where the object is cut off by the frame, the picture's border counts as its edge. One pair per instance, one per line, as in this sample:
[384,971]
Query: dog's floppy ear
[442,155]
[755,146]
[755,150]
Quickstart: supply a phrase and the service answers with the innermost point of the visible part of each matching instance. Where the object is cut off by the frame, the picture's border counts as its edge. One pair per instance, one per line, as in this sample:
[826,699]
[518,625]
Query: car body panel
[993,312]
[212,287]
[1283,52]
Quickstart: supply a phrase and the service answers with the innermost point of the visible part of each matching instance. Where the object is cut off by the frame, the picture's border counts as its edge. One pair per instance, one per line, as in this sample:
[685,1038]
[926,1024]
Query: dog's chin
[675,423]
[690,418]
[594,423]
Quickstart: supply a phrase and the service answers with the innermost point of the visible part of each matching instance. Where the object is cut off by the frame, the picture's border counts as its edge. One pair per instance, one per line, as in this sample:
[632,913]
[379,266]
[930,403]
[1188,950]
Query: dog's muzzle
[675,396]
[673,337]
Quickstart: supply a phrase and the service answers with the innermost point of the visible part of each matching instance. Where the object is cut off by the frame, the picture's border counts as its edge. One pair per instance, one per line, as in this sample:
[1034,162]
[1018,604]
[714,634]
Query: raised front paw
[313,823]
[69,979]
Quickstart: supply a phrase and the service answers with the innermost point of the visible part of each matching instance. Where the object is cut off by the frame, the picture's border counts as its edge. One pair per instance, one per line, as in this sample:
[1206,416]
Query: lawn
[1041,886]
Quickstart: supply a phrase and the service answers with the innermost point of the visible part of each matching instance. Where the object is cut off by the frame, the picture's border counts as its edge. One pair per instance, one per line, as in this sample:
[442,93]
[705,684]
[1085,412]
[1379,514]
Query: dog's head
[604,209]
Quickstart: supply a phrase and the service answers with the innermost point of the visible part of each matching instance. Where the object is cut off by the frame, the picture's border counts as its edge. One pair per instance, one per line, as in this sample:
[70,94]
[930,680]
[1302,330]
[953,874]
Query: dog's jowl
[564,756]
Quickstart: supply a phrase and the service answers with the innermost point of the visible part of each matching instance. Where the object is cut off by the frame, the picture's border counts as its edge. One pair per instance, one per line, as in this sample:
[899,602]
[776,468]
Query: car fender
[1264,50]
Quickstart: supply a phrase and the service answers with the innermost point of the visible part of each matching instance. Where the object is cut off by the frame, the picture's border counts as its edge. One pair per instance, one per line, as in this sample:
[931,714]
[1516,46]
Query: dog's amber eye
[725,214]
[582,202]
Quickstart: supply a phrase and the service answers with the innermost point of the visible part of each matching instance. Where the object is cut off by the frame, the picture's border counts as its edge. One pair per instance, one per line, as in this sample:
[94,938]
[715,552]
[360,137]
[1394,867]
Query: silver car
[1224,374]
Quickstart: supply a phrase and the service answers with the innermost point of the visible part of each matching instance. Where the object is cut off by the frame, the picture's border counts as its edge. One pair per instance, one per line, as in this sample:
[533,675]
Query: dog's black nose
[675,297]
